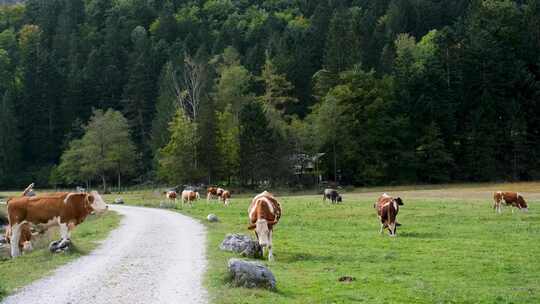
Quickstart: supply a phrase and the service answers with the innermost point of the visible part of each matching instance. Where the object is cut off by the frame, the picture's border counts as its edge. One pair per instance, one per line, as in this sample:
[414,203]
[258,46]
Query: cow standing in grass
[213,193]
[332,195]
[225,196]
[63,209]
[171,195]
[189,196]
[513,199]
[264,213]
[387,211]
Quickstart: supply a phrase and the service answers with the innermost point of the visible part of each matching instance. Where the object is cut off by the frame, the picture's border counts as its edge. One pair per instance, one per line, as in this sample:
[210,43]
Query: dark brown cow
[264,213]
[513,199]
[387,211]
[64,209]
[333,195]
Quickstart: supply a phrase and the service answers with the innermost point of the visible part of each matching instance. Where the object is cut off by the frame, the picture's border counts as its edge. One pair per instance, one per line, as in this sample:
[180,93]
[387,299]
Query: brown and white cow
[213,193]
[387,211]
[171,195]
[189,196]
[264,213]
[225,196]
[513,199]
[63,209]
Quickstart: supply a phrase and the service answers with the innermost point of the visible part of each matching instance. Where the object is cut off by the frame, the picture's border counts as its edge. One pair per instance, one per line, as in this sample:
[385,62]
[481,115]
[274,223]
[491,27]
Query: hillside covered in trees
[248,92]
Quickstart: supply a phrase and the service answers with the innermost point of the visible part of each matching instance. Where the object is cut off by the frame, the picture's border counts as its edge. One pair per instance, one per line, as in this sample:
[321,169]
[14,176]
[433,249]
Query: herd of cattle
[68,209]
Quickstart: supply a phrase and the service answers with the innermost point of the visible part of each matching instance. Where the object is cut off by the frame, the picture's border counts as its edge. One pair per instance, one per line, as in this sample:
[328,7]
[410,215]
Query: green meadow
[451,248]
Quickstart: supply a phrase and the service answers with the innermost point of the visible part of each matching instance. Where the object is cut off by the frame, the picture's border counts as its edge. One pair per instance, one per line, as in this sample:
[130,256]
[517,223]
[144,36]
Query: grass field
[452,248]
[40,262]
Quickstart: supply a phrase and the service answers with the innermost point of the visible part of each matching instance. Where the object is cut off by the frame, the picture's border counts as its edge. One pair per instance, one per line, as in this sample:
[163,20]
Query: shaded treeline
[246,92]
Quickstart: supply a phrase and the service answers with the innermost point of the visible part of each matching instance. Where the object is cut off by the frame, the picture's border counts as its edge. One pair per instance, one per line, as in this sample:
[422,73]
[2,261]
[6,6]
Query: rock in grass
[212,218]
[242,244]
[119,201]
[251,274]
[60,246]
[166,205]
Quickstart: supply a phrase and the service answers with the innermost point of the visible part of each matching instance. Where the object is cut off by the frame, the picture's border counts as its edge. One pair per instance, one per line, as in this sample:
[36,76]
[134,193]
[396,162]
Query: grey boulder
[212,218]
[243,244]
[119,201]
[251,274]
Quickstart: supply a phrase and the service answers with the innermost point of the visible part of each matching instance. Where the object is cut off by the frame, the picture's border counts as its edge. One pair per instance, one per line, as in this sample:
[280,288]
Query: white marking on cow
[68,197]
[269,204]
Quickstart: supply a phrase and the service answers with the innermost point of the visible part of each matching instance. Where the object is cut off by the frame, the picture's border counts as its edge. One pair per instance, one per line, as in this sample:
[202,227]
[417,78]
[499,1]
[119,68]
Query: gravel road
[155,256]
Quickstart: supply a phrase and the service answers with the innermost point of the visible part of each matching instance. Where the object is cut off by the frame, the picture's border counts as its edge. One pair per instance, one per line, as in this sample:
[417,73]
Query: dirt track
[155,256]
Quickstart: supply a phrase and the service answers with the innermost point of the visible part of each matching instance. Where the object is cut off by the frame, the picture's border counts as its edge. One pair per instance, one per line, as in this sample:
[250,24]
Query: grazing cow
[264,212]
[387,211]
[513,199]
[332,194]
[189,196]
[213,192]
[25,243]
[64,209]
[225,196]
[171,195]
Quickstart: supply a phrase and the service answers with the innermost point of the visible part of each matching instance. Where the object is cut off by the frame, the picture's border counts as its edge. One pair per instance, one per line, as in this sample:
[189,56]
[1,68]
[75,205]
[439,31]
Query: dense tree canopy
[256,92]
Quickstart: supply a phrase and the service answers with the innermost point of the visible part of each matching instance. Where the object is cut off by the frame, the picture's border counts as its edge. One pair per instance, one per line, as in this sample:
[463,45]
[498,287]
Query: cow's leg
[64,232]
[270,255]
[392,229]
[208,197]
[382,228]
[15,238]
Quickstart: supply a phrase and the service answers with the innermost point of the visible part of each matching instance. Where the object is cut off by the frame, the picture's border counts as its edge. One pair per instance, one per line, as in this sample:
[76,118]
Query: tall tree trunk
[335,161]
[104,183]
[118,181]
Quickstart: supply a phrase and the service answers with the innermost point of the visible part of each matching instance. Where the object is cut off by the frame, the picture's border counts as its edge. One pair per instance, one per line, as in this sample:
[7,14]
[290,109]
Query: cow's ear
[251,227]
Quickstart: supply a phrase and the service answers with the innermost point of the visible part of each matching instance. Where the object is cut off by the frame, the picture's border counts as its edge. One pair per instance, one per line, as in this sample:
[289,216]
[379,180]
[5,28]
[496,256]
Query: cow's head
[522,204]
[399,201]
[95,202]
[262,231]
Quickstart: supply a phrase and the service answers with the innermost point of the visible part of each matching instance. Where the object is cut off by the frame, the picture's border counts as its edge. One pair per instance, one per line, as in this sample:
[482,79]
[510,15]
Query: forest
[281,92]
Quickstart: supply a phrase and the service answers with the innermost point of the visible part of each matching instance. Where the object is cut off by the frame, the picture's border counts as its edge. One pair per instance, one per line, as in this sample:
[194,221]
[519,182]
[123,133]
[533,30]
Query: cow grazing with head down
[189,196]
[213,193]
[264,213]
[333,195]
[387,211]
[513,199]
[63,209]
